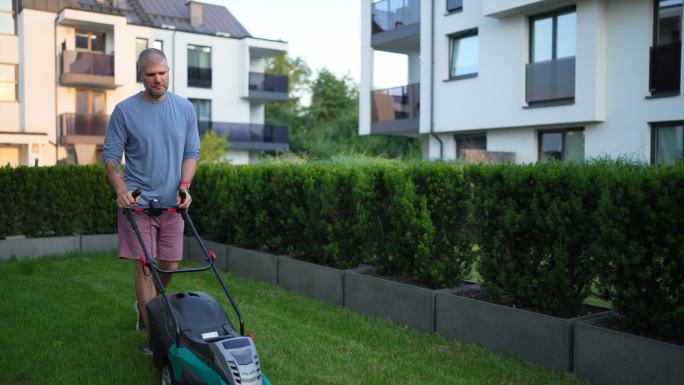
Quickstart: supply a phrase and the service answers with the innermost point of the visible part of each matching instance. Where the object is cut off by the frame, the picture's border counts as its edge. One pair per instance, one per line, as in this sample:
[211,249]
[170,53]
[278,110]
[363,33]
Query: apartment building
[529,80]
[65,64]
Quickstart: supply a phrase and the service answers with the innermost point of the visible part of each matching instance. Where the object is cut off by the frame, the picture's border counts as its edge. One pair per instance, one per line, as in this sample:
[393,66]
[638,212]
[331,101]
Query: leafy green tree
[213,147]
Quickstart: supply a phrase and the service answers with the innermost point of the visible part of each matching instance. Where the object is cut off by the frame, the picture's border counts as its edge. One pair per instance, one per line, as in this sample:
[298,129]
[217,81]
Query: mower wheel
[167,375]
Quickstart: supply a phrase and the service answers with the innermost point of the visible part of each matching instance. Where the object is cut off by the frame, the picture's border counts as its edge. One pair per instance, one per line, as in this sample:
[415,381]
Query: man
[158,132]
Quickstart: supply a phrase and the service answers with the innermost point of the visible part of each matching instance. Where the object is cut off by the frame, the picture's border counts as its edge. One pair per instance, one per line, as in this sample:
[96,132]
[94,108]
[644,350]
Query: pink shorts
[163,236]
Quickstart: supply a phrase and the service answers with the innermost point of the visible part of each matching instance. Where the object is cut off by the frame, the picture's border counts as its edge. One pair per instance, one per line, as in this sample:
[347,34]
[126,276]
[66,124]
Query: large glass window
[464,54]
[668,25]
[90,41]
[159,44]
[203,108]
[668,143]
[8,83]
[199,66]
[7,17]
[554,36]
[561,146]
[90,102]
[469,142]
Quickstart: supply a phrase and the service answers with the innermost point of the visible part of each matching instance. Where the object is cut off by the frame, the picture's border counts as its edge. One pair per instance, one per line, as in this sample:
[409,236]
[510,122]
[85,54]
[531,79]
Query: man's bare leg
[144,289]
[167,265]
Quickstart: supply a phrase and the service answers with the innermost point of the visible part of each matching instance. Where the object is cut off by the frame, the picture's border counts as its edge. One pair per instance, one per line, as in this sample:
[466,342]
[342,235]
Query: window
[668,143]
[159,44]
[469,142]
[8,83]
[464,54]
[90,102]
[140,45]
[199,66]
[203,108]
[90,41]
[668,22]
[561,146]
[454,5]
[553,36]
[7,17]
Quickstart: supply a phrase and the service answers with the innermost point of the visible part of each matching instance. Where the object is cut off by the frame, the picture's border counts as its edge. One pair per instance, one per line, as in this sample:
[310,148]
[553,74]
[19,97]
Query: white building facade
[529,80]
[66,64]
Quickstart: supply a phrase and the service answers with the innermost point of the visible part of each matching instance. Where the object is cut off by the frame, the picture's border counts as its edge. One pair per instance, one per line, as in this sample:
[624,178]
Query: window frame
[451,41]
[90,41]
[15,82]
[12,12]
[211,112]
[654,137]
[468,137]
[90,93]
[563,132]
[554,31]
[211,59]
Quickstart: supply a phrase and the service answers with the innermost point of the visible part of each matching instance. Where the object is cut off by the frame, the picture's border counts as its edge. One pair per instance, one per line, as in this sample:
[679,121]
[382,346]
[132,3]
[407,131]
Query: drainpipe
[56,85]
[432,84]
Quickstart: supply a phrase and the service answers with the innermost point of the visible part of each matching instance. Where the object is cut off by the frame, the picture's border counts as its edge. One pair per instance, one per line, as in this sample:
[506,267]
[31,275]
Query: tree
[213,147]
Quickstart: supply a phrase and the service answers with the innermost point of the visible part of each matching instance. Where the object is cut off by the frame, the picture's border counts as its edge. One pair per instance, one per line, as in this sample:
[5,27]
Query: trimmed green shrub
[642,247]
[536,229]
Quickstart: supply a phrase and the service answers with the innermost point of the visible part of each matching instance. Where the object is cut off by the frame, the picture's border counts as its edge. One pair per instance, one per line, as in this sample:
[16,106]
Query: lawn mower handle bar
[153,266]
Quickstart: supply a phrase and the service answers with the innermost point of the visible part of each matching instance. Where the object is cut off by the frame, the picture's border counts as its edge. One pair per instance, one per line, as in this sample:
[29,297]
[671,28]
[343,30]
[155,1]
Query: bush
[642,247]
[536,232]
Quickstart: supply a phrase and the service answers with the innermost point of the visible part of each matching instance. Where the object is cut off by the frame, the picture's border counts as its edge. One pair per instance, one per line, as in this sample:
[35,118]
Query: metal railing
[666,62]
[267,82]
[87,63]
[551,80]
[250,132]
[396,103]
[392,14]
[84,124]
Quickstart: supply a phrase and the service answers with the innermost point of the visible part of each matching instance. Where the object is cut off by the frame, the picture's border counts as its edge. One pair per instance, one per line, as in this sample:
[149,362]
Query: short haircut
[150,56]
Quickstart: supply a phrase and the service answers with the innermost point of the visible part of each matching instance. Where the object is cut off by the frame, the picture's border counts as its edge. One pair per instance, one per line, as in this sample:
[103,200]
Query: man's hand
[125,199]
[183,204]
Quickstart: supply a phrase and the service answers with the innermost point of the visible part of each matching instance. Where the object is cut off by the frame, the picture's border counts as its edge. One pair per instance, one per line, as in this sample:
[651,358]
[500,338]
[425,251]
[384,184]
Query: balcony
[87,69]
[665,75]
[551,81]
[250,136]
[396,111]
[396,26]
[83,128]
[267,87]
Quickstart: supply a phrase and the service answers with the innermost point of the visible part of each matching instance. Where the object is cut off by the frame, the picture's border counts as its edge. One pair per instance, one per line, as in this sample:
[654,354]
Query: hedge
[542,235]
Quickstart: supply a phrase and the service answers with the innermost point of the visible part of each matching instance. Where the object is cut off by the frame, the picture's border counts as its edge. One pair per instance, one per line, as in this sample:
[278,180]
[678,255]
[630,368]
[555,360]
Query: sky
[325,33]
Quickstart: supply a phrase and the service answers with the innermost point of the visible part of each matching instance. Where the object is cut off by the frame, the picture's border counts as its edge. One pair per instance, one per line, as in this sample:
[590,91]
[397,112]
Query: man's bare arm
[115,176]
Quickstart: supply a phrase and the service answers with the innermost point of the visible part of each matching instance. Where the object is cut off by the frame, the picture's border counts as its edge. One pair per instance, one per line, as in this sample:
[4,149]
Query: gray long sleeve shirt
[156,138]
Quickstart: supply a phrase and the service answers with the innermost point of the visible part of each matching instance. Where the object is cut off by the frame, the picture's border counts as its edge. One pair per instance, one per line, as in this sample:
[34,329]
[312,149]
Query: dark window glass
[90,102]
[554,36]
[203,109]
[668,143]
[454,5]
[90,41]
[82,40]
[465,54]
[565,146]
[199,66]
[668,22]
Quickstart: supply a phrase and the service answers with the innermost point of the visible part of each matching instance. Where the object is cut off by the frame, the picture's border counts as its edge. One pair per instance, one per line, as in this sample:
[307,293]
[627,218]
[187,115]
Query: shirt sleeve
[192,141]
[115,137]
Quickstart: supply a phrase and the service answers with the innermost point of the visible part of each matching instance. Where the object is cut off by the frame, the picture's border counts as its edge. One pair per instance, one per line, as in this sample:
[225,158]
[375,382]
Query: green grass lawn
[70,320]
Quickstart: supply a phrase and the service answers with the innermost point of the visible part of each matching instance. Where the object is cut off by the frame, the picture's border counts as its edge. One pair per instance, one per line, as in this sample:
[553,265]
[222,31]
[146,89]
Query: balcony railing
[83,128]
[267,82]
[666,62]
[396,103]
[393,14]
[551,81]
[250,135]
[199,77]
[85,68]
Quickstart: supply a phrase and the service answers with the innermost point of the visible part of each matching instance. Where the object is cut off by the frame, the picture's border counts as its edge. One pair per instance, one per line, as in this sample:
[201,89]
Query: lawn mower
[192,338]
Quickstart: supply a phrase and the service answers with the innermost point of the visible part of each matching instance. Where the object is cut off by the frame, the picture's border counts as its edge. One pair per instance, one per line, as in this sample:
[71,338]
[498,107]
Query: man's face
[155,78]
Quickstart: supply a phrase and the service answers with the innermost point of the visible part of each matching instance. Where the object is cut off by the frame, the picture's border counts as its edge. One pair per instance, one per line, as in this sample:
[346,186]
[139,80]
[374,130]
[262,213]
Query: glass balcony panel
[252,132]
[267,82]
[84,124]
[391,14]
[666,61]
[396,103]
[551,80]
[87,63]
